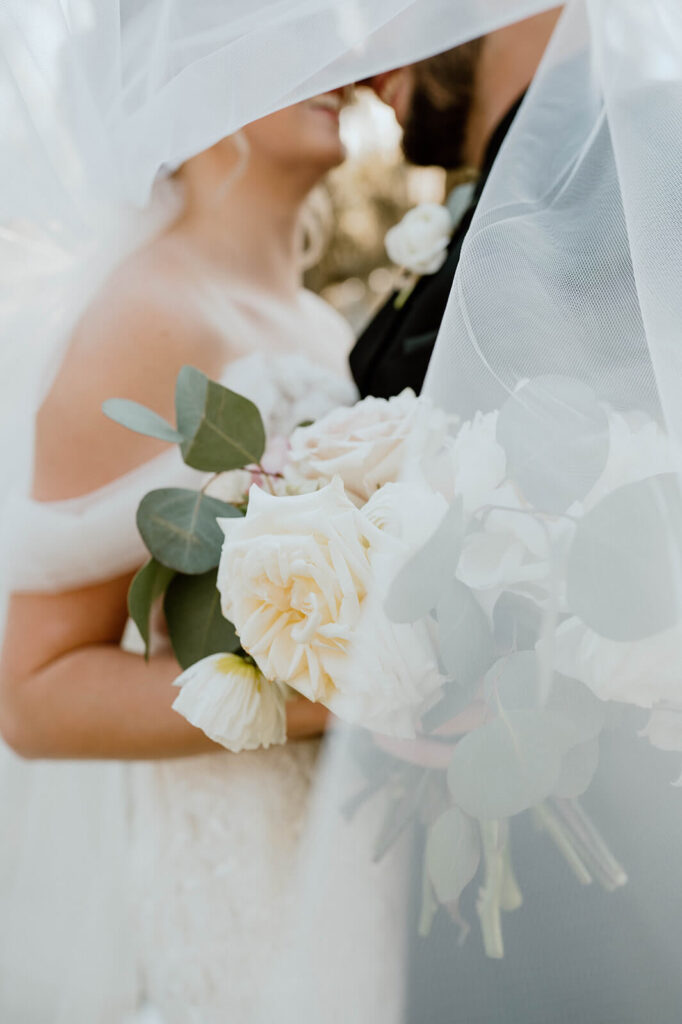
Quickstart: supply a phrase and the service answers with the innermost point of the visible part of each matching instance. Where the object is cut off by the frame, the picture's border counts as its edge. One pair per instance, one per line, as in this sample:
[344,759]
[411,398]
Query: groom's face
[433,101]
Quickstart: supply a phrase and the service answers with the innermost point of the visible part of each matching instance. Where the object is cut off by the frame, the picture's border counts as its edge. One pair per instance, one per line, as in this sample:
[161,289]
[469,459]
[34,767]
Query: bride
[207,838]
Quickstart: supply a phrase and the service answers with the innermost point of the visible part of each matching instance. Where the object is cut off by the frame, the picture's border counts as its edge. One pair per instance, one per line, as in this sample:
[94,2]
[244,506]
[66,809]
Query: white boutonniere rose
[419,243]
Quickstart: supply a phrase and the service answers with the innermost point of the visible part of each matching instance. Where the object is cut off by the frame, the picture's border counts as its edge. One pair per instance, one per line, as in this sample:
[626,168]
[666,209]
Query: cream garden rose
[368,445]
[301,579]
[233,703]
[420,241]
[293,575]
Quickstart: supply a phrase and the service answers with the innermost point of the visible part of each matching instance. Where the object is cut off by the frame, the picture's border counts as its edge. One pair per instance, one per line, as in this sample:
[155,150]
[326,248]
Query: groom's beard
[436,128]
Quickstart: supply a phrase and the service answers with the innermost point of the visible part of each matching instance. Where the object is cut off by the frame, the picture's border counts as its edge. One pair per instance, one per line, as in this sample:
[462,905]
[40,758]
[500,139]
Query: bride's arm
[66,688]
[68,691]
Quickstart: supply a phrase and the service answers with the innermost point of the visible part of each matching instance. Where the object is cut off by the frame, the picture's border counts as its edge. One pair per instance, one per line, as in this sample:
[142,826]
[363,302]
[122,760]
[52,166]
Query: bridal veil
[567,300]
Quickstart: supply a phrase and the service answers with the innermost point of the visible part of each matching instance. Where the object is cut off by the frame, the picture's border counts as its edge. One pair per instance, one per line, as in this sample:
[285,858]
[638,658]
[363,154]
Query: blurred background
[350,214]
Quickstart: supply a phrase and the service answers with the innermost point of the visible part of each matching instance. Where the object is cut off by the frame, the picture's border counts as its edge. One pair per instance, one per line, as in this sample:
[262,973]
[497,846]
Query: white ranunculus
[298,578]
[367,445]
[229,699]
[420,242]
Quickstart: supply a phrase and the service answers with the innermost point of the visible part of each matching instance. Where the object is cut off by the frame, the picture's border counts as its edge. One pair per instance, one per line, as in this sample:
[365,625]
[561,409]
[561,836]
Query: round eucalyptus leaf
[624,573]
[577,706]
[466,644]
[453,854]
[517,622]
[196,625]
[508,765]
[578,768]
[222,430]
[556,437]
[419,584]
[515,682]
[147,586]
[180,528]
[140,419]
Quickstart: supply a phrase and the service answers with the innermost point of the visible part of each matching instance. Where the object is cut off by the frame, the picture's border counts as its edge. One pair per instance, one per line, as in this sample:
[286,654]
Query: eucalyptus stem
[594,850]
[489,903]
[511,897]
[563,839]
[266,476]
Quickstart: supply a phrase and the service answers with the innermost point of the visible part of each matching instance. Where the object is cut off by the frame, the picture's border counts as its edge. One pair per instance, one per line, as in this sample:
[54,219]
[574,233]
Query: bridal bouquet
[271,571]
[403,569]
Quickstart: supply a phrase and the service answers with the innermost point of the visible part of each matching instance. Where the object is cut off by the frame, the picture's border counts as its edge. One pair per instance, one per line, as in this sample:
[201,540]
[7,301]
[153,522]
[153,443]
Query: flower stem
[489,903]
[593,848]
[563,839]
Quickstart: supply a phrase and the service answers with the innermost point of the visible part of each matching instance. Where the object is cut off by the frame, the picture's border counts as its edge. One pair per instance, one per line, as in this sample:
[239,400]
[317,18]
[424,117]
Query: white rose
[391,668]
[297,577]
[231,701]
[638,448]
[293,574]
[664,729]
[420,242]
[642,672]
[367,445]
[472,464]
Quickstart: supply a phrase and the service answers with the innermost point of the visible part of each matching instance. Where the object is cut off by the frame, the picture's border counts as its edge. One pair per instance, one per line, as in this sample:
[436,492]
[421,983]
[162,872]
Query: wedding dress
[201,862]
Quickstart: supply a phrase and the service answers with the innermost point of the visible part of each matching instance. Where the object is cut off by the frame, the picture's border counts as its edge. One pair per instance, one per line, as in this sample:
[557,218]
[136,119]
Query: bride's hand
[305,720]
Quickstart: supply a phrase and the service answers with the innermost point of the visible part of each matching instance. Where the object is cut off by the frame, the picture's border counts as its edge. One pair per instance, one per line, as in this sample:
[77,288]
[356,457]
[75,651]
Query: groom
[455,110]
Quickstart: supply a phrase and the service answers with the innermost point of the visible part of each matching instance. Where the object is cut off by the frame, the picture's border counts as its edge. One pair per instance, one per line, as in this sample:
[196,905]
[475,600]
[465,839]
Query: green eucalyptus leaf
[625,564]
[455,698]
[196,625]
[429,906]
[147,586]
[180,528]
[453,854]
[140,419]
[556,438]
[517,622]
[578,768]
[508,765]
[222,430]
[418,585]
[465,638]
[514,682]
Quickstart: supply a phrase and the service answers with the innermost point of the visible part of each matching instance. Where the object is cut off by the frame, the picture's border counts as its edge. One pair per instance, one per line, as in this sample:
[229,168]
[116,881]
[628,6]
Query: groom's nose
[394,88]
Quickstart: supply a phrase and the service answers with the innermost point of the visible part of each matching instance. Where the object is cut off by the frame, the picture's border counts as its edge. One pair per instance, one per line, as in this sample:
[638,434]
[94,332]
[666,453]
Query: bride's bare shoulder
[131,341]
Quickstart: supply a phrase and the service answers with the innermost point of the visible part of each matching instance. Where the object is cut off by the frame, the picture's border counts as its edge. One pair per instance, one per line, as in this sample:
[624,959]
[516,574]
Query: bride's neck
[243,216]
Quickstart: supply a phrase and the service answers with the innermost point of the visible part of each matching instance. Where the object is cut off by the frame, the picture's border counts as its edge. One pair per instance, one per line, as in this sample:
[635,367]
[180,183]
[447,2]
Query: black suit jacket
[394,351]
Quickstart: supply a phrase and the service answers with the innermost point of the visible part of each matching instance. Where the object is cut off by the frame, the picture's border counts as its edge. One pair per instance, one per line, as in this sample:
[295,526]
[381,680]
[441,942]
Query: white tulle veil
[571,273]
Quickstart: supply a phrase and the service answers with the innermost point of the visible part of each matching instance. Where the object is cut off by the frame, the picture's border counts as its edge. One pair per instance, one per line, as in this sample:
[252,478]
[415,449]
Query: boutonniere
[419,245]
